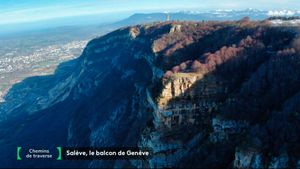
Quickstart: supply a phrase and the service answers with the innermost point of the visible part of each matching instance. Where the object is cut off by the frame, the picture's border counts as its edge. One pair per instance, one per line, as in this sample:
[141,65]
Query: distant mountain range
[214,15]
[103,22]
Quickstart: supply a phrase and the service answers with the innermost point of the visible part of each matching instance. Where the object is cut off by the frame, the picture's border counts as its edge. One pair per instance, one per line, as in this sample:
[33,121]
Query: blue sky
[18,11]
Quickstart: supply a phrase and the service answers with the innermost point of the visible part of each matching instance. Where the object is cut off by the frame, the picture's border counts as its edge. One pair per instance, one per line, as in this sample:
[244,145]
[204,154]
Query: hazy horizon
[26,11]
[24,15]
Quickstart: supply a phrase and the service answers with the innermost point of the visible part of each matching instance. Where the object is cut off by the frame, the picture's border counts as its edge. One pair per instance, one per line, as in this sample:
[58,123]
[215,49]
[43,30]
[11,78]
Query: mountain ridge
[173,87]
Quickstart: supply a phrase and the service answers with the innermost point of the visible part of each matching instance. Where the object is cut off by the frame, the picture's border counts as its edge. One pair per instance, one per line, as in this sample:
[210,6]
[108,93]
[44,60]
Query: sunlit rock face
[206,95]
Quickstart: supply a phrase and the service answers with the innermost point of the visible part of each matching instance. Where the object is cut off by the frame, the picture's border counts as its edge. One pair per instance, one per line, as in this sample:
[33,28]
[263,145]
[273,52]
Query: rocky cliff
[206,95]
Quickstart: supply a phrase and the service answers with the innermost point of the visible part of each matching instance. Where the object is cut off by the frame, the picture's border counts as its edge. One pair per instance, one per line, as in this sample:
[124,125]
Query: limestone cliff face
[248,159]
[179,109]
[177,88]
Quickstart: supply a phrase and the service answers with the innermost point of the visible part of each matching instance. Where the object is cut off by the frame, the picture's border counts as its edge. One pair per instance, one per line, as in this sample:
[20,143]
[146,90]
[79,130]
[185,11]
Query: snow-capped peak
[281,13]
